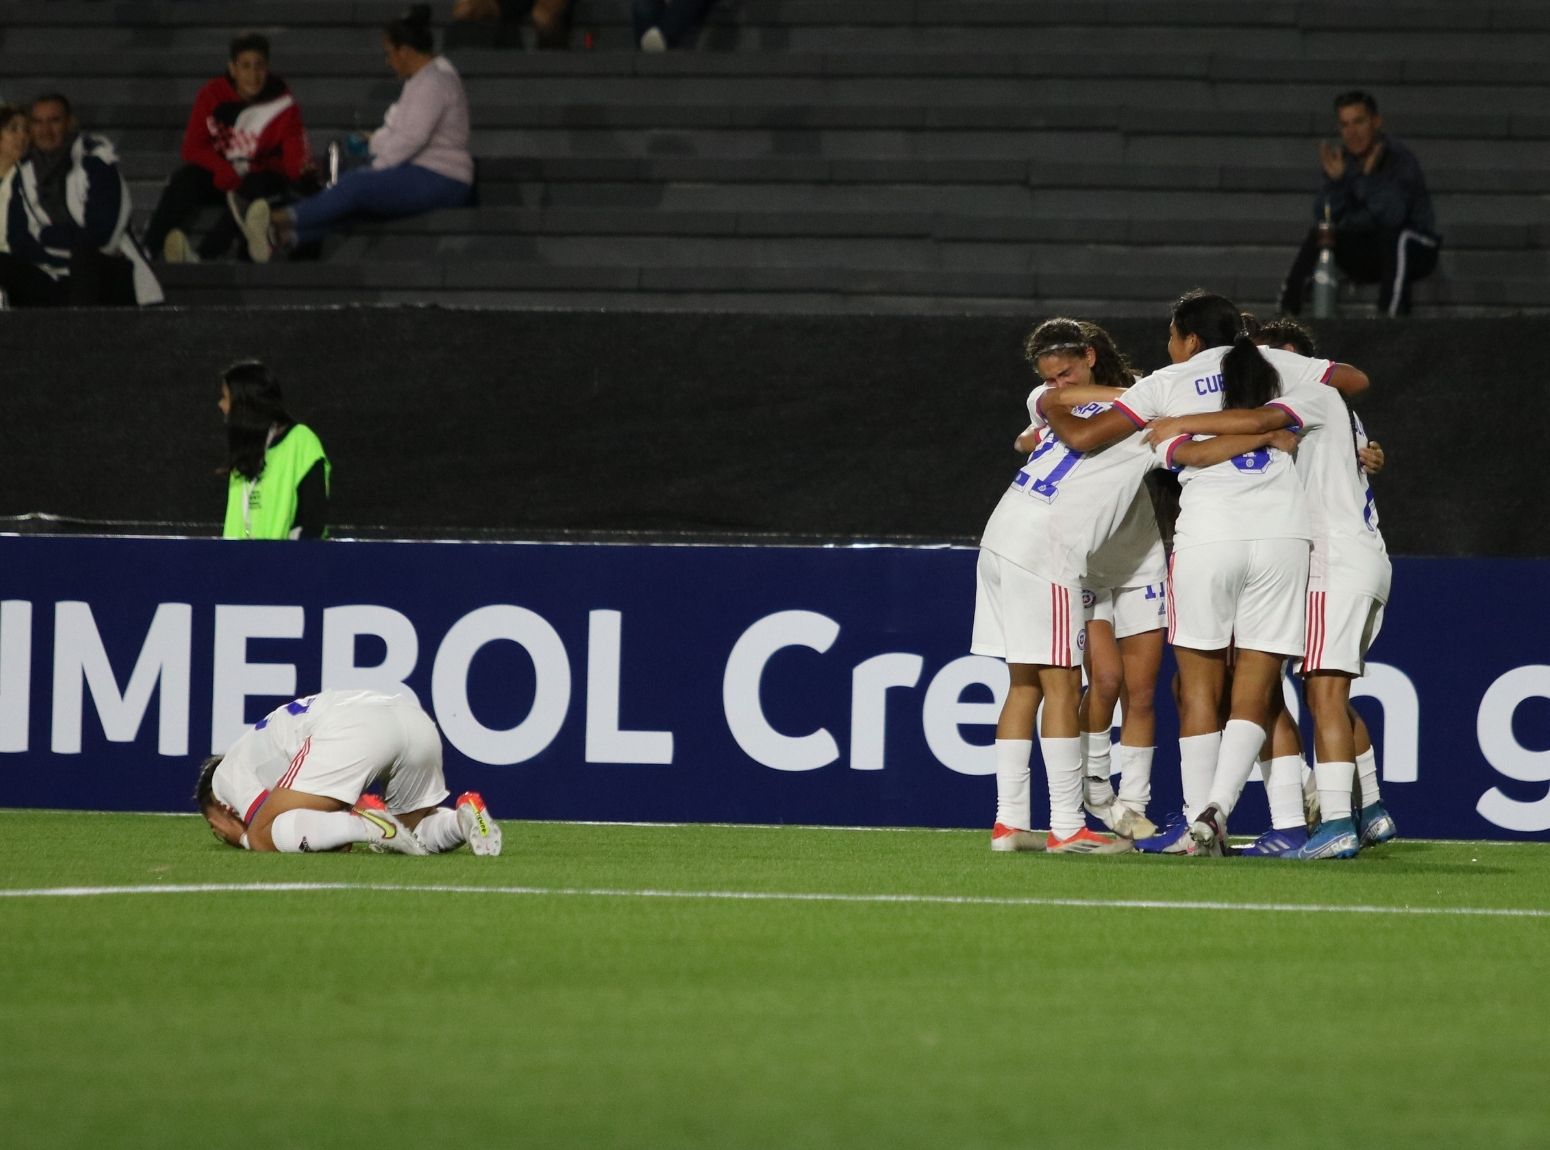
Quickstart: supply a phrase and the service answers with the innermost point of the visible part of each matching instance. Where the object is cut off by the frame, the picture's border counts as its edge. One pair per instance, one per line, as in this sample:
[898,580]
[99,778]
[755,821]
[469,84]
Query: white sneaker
[481,831]
[387,834]
[175,248]
[255,226]
[653,41]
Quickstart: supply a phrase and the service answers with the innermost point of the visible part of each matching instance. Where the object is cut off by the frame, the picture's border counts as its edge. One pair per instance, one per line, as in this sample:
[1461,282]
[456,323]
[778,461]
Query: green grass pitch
[597,986]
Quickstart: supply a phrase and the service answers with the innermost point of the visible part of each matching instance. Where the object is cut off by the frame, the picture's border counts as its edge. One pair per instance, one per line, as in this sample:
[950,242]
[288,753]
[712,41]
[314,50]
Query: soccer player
[1348,585]
[1122,594]
[295,782]
[1240,560]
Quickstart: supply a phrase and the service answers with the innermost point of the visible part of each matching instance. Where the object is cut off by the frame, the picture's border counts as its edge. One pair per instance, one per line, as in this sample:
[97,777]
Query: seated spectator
[663,24]
[23,284]
[277,474]
[1385,231]
[244,136]
[551,18]
[69,214]
[420,157]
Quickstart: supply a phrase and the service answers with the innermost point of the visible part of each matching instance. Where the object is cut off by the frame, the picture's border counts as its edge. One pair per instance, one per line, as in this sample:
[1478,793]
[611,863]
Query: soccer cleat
[385,834]
[1276,844]
[1209,830]
[1133,824]
[1375,825]
[1005,838]
[1335,839]
[255,227]
[1087,842]
[1172,839]
[473,817]
[370,802]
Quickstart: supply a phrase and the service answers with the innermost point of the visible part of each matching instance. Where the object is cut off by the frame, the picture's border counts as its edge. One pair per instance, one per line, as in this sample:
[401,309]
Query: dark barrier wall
[448,422]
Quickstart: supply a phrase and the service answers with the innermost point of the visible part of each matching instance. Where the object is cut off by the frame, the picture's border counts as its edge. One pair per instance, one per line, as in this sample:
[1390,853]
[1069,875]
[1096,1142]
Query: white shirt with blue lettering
[1064,504]
[1253,496]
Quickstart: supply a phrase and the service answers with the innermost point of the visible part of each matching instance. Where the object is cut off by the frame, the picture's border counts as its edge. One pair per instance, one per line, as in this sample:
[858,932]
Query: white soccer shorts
[1129,610]
[1246,592]
[1022,618]
[387,742]
[1341,629]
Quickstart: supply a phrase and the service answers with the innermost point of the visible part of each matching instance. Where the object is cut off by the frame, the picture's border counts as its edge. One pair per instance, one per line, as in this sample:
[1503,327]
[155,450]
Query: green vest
[265,508]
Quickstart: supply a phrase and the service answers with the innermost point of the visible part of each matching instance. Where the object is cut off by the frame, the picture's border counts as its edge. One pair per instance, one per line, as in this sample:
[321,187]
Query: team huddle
[1275,555]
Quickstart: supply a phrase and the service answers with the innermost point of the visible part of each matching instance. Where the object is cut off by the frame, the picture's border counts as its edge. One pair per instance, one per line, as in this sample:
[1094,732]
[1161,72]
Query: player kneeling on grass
[295,782]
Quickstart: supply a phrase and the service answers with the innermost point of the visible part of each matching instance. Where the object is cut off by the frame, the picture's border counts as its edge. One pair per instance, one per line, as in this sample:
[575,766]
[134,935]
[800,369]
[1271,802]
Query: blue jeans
[384,194]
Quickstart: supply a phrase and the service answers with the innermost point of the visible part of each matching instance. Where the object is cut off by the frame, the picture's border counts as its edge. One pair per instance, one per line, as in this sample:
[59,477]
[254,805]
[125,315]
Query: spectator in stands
[277,473]
[420,157]
[551,18]
[1375,194]
[244,137]
[23,284]
[69,214]
[664,24]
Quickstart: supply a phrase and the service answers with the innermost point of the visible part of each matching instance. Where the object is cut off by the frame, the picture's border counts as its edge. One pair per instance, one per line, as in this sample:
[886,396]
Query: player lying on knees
[1348,585]
[295,782]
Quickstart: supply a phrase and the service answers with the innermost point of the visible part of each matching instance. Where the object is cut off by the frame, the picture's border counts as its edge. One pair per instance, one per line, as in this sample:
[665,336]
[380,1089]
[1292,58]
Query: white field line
[778,896]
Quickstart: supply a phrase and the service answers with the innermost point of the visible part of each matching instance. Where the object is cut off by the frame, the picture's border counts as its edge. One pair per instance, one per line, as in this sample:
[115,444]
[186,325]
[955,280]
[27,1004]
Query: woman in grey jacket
[420,157]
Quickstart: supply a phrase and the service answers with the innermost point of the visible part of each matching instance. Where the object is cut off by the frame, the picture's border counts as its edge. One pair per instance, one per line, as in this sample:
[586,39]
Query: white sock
[1367,772]
[1063,771]
[1197,767]
[439,831]
[1013,806]
[1096,749]
[1241,742]
[1334,789]
[302,831]
[1135,776]
[1283,786]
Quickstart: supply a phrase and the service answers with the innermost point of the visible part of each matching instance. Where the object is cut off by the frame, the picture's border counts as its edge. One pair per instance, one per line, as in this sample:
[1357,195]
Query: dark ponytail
[412,29]
[256,406]
[1248,379]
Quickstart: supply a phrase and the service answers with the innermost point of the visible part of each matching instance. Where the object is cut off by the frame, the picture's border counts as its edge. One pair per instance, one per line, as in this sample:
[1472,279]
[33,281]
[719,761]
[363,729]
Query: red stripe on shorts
[290,774]
[1314,652]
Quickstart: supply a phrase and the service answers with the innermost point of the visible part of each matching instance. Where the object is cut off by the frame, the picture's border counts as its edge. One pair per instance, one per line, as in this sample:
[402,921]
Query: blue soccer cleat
[1335,839]
[1172,839]
[1276,844]
[1375,825]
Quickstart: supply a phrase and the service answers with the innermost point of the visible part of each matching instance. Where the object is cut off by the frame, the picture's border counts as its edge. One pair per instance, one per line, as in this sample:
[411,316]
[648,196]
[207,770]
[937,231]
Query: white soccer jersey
[261,759]
[1134,555]
[1063,504]
[1346,539]
[1253,496]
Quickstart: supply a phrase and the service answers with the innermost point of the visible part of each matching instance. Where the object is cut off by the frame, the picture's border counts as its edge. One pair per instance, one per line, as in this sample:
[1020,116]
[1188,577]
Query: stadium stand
[867,156]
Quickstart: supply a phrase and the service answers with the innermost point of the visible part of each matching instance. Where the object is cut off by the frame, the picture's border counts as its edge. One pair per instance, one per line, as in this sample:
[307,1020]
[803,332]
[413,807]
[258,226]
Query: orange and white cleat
[482,833]
[1005,838]
[369,802]
[1087,842]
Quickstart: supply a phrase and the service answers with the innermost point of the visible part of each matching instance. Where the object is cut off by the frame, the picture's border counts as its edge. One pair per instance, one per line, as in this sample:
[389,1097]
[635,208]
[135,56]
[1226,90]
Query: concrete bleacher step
[877,153]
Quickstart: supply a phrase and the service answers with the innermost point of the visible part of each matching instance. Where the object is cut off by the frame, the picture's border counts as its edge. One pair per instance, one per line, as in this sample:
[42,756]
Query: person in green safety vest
[277,474]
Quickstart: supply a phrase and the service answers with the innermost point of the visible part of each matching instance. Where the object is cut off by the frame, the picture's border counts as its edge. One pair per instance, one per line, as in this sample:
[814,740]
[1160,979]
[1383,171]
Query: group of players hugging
[1275,555]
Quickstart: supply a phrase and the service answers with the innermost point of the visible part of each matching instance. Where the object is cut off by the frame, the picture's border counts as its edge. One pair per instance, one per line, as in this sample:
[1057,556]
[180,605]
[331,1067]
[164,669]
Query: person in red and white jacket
[244,136]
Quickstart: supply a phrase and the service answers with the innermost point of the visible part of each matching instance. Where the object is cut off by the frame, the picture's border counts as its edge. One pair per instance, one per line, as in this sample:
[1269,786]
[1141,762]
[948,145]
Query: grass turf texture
[348,1017]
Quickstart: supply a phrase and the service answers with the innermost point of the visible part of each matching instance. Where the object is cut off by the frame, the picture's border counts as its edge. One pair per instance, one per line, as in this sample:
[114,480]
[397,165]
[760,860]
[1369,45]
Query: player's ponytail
[1248,379]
